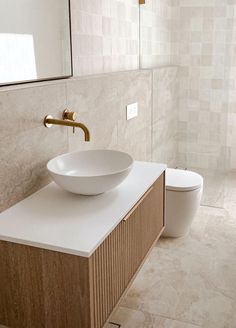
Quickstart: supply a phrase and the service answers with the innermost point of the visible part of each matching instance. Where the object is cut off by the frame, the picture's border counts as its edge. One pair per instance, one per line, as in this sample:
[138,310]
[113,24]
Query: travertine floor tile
[129,318]
[191,279]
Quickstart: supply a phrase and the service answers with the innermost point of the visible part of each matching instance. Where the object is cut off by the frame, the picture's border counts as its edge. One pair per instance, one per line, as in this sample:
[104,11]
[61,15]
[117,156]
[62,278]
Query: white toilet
[183,196]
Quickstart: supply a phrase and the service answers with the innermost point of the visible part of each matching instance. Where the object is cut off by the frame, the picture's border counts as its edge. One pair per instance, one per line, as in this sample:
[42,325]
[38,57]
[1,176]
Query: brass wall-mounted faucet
[68,119]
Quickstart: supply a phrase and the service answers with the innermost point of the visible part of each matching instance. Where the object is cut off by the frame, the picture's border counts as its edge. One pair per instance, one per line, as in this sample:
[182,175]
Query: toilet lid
[182,180]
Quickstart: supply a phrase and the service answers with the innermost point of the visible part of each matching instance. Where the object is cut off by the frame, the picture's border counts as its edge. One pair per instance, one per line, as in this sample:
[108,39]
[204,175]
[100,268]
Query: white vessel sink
[90,172]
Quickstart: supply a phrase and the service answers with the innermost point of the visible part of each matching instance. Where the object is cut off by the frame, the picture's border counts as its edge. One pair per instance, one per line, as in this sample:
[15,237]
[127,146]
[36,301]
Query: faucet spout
[49,121]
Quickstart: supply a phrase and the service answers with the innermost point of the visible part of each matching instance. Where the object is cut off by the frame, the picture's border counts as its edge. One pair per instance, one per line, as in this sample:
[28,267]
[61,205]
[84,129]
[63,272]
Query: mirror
[35,40]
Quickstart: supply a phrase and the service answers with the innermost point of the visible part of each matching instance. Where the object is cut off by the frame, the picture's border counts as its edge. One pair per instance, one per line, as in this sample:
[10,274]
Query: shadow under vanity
[66,260]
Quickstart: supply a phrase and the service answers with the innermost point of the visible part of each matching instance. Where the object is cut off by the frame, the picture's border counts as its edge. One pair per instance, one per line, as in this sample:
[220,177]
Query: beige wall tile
[165,115]
[106,39]
[92,23]
[101,103]
[26,145]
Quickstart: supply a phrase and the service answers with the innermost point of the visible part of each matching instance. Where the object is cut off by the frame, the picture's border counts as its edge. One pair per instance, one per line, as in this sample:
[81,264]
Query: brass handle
[138,203]
[68,115]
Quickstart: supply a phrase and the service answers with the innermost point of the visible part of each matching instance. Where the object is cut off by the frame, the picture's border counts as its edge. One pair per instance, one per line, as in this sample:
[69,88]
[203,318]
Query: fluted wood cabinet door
[115,262]
[44,289]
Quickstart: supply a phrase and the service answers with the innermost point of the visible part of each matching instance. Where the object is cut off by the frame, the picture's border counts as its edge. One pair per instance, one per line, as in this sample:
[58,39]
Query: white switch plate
[131,111]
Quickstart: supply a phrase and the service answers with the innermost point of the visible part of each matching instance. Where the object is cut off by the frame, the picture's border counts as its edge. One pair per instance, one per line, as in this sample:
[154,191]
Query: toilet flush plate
[131,111]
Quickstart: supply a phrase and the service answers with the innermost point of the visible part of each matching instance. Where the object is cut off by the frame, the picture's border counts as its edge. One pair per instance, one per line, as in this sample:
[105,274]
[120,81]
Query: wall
[203,34]
[155,26]
[203,103]
[105,39]
[197,35]
[105,36]
[26,145]
[231,126]
[101,102]
[165,115]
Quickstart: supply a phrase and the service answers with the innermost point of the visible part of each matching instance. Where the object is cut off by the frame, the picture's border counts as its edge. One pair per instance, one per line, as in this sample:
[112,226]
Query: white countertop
[56,220]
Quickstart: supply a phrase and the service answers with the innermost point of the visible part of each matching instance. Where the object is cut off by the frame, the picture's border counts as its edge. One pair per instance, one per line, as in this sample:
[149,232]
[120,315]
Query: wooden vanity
[47,285]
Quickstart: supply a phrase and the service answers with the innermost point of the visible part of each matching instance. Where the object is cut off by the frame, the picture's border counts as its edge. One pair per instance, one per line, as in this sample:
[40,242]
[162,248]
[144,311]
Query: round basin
[90,172]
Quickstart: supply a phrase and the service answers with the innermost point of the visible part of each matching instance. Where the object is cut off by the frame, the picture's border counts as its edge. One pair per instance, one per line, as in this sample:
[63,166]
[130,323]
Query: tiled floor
[189,282]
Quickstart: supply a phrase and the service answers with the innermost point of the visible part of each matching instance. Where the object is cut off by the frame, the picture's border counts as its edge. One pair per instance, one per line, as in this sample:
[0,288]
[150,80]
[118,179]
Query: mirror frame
[51,78]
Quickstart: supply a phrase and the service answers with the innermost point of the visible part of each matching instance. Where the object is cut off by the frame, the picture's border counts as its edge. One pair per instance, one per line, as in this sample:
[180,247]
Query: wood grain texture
[116,261]
[46,289]
[43,289]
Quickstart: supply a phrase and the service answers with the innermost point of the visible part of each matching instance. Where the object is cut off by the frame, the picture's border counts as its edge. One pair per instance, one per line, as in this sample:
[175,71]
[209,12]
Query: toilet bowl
[183,195]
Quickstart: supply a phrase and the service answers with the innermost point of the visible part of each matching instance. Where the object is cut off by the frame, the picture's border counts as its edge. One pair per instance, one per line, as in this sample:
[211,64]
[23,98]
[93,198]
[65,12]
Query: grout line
[161,316]
[140,47]
[211,206]
[115,324]
[187,322]
[219,290]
